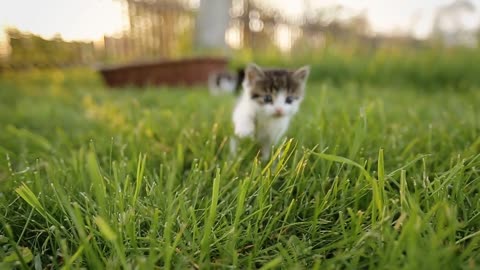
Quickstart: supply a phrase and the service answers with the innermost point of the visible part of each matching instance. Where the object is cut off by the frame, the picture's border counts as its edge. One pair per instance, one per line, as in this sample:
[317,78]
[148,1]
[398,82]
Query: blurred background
[422,42]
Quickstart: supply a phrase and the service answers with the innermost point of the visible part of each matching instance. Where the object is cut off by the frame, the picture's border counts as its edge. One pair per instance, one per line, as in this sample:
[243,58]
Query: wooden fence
[164,29]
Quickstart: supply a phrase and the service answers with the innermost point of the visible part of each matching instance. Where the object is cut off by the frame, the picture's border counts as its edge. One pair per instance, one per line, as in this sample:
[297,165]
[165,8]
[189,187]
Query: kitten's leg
[243,124]
[276,143]
[243,121]
[233,146]
[265,152]
[266,156]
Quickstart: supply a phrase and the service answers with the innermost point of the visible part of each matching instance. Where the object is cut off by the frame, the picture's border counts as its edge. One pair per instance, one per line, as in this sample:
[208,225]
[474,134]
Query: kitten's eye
[268,99]
[289,100]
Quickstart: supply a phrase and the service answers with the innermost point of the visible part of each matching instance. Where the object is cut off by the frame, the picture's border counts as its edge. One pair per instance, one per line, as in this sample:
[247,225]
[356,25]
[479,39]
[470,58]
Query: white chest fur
[249,121]
[270,130]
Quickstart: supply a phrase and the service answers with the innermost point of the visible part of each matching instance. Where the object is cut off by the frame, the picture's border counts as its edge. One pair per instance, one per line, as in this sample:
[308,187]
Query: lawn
[372,177]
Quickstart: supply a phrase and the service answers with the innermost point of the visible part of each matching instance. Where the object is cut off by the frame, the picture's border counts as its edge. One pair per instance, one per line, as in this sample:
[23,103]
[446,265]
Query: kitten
[225,82]
[269,99]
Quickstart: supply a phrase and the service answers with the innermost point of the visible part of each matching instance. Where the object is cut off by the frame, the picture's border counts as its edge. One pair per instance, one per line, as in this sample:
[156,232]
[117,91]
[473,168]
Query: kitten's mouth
[278,115]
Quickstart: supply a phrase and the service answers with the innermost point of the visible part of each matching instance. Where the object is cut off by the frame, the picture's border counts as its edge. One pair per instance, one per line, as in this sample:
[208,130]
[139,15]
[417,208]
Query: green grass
[373,177]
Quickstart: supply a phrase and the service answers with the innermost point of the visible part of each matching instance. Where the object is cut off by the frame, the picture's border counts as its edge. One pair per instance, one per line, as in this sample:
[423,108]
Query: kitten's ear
[302,73]
[253,72]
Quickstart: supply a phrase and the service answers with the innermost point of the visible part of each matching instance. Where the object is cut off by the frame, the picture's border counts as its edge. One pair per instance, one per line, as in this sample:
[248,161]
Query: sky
[73,19]
[91,19]
[389,15]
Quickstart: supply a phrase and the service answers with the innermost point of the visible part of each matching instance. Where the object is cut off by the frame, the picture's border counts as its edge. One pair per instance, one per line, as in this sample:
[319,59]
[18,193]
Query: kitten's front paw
[245,132]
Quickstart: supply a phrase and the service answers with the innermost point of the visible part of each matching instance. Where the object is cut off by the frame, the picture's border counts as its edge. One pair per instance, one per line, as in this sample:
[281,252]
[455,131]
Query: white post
[211,24]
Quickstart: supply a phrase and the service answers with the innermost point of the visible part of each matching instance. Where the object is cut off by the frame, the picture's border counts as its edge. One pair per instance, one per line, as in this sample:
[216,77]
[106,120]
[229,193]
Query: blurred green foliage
[29,50]
[427,68]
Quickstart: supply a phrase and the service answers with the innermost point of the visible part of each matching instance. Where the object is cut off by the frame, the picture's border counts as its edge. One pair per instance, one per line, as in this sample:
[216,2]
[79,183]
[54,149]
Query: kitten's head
[276,92]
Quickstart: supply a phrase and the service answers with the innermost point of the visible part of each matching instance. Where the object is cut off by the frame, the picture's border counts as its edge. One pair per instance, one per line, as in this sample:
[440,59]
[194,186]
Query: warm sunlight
[283,37]
[233,37]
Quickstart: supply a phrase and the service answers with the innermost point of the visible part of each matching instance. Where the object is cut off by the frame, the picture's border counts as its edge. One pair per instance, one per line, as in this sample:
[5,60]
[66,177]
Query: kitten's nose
[278,111]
